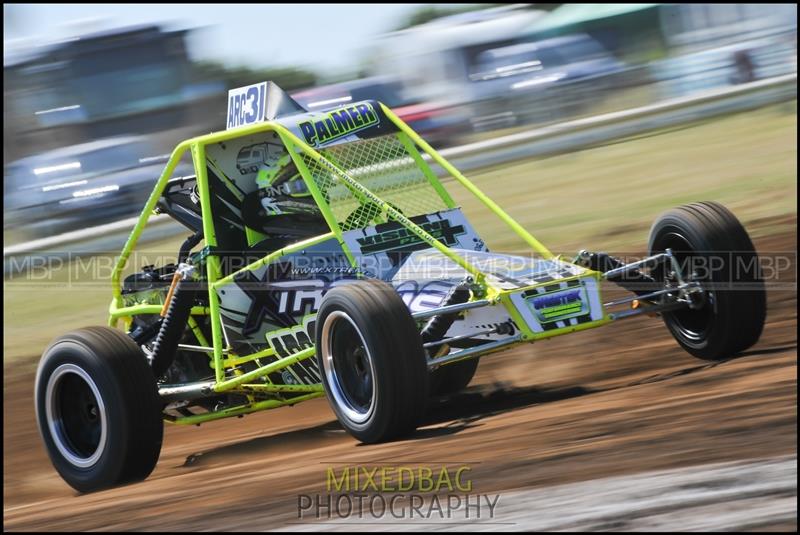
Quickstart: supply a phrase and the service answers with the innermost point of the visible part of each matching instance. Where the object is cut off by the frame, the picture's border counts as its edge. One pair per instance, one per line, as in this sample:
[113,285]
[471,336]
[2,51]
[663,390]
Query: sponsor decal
[251,157]
[246,105]
[286,290]
[559,305]
[286,342]
[404,239]
[338,123]
[326,270]
[265,298]
[277,299]
[419,296]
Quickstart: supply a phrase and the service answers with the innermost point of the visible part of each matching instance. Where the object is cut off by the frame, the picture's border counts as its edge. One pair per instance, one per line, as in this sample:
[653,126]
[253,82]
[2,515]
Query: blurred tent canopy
[632,31]
[428,13]
[569,15]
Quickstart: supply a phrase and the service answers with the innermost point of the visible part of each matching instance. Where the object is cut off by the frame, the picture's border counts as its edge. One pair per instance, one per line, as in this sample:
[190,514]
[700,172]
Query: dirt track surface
[620,400]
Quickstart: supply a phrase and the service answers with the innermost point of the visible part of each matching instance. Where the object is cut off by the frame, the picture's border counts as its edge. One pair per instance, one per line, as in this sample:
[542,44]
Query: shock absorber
[438,326]
[177,307]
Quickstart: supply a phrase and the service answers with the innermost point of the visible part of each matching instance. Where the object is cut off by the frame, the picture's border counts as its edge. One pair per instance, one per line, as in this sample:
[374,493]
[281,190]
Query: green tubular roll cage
[301,153]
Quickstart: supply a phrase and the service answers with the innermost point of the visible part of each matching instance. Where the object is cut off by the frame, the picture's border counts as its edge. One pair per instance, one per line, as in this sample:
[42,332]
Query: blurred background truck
[81,185]
[510,83]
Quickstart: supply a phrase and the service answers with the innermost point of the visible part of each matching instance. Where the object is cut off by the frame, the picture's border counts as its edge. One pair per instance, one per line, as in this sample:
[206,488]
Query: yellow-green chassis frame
[235,381]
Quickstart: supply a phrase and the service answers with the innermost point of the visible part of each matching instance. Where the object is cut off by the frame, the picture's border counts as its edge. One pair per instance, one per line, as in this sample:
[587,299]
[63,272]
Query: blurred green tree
[288,78]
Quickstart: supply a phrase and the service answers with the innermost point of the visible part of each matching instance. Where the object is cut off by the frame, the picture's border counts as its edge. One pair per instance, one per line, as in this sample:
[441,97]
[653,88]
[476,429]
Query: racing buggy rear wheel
[374,367]
[453,377]
[98,410]
[713,248]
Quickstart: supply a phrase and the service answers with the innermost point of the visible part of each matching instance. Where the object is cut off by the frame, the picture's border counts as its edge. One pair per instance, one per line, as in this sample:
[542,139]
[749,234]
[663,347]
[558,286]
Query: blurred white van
[434,60]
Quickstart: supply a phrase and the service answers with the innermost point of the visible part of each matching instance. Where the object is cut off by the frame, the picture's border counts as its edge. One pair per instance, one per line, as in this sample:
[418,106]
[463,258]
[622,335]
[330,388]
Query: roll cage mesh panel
[382,165]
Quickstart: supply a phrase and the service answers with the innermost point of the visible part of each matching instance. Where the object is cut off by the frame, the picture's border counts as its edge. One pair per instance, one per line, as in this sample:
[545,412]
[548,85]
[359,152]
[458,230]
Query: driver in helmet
[282,206]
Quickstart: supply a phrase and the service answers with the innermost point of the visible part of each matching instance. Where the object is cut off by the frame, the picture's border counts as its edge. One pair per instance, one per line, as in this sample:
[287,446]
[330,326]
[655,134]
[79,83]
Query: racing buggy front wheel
[98,409]
[373,365]
[713,248]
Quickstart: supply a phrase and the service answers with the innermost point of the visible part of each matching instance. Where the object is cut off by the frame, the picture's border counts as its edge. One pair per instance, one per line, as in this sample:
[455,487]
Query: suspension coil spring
[176,315]
[438,325]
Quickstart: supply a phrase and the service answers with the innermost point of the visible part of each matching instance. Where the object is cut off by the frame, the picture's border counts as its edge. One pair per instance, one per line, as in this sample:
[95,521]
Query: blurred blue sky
[323,36]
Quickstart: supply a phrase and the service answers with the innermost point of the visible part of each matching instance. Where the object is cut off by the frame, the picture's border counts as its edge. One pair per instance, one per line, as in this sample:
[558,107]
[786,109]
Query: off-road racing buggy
[328,257]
